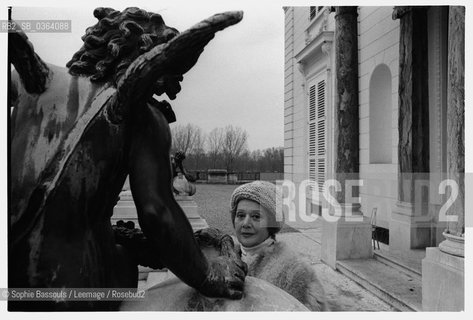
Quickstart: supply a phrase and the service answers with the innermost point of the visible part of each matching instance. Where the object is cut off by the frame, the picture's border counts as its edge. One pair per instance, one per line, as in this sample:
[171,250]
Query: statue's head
[116,40]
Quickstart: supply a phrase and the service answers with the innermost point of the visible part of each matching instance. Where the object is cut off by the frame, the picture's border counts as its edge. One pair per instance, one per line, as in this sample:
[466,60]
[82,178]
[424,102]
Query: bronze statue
[76,134]
[182,180]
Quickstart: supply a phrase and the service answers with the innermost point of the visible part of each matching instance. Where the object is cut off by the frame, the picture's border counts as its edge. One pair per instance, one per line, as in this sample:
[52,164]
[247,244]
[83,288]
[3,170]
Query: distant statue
[76,134]
[182,180]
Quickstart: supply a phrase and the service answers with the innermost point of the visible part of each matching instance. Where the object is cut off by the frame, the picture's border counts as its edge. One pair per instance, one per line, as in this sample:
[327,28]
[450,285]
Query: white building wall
[288,93]
[378,43]
[301,20]
[296,21]
[299,28]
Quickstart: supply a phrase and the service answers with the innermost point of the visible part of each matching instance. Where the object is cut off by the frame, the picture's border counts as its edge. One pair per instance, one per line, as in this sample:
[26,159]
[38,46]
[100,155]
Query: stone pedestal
[347,238]
[410,227]
[438,227]
[125,210]
[189,206]
[443,281]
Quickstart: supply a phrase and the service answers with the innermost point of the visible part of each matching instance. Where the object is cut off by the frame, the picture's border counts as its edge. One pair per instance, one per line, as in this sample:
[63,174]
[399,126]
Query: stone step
[397,264]
[398,289]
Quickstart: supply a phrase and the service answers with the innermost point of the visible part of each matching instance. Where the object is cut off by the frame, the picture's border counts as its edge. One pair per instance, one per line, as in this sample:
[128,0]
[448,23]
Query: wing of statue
[174,58]
[32,70]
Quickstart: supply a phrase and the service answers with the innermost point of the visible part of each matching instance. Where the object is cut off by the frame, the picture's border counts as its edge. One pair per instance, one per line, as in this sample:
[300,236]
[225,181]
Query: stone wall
[378,43]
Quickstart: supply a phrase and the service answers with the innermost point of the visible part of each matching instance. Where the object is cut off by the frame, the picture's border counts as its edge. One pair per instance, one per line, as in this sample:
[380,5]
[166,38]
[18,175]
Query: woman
[253,212]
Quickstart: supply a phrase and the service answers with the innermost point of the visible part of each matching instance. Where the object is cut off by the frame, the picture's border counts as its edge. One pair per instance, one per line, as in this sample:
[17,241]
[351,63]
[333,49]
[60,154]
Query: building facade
[392,127]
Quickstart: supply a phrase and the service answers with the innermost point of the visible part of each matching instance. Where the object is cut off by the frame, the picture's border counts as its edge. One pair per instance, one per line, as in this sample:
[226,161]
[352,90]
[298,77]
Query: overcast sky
[238,79]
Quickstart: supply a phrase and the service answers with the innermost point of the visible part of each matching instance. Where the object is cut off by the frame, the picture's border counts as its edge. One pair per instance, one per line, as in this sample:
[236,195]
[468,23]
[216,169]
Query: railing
[251,176]
[237,177]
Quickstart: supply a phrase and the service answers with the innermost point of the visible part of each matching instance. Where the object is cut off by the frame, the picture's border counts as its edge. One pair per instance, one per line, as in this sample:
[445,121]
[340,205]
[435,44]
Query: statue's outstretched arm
[161,218]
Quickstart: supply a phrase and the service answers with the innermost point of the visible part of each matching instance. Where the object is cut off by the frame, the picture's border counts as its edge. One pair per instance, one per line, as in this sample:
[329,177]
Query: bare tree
[199,142]
[214,145]
[234,143]
[198,152]
[186,138]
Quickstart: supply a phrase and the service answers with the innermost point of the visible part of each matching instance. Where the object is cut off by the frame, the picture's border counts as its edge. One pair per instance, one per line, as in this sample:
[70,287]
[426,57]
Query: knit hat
[265,194]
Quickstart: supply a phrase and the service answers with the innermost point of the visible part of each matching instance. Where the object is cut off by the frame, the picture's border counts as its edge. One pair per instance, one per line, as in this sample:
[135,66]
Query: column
[346,111]
[347,234]
[410,225]
[443,269]
[456,119]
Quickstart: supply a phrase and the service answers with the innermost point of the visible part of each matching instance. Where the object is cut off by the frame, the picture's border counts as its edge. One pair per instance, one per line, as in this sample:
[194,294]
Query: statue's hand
[169,84]
[225,278]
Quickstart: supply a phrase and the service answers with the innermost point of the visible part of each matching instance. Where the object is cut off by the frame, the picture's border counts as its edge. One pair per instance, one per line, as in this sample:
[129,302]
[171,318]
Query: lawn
[213,201]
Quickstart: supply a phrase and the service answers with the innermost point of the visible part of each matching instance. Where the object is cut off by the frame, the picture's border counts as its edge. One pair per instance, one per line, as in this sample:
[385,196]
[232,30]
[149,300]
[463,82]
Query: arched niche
[380,114]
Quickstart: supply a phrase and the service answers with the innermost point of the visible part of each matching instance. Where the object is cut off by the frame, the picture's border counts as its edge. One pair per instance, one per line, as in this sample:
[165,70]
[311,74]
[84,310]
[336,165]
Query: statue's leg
[160,217]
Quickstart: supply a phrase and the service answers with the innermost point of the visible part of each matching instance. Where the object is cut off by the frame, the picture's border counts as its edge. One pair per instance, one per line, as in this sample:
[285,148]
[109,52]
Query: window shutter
[314,11]
[312,103]
[312,135]
[312,170]
[321,133]
[321,99]
[317,133]
[312,123]
[312,139]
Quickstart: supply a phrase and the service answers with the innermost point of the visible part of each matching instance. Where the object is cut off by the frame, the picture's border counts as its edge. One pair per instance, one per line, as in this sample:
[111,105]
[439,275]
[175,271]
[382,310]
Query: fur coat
[282,267]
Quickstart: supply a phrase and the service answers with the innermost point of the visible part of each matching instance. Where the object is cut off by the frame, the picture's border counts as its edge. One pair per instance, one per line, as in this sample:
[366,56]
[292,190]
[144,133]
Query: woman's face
[251,222]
